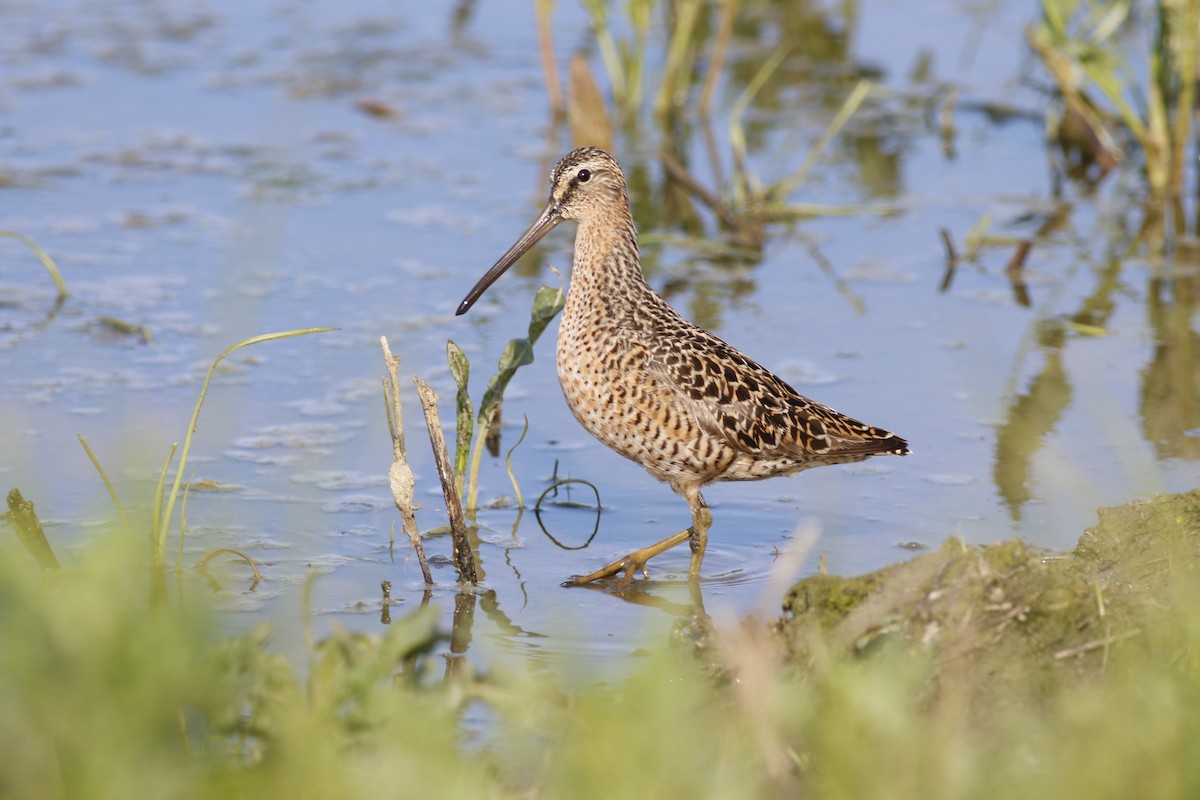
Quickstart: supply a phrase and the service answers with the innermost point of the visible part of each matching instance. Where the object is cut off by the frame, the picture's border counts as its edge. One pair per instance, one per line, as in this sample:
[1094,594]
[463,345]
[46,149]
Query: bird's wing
[733,396]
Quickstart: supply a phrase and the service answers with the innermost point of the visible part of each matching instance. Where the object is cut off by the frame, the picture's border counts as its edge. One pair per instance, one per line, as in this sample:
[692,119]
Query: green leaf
[517,353]
[546,304]
[460,368]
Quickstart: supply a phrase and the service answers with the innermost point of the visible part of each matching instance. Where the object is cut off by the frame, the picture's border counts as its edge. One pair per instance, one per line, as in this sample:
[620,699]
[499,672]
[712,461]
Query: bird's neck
[606,259]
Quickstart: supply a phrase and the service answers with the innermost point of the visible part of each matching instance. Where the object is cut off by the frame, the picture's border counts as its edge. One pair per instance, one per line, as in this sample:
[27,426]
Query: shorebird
[657,389]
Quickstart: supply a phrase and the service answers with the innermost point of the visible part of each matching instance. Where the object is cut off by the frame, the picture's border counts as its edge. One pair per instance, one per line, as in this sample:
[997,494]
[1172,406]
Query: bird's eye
[584,175]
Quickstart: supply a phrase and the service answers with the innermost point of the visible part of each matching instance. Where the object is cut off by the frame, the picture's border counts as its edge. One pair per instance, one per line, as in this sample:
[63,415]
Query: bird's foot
[630,565]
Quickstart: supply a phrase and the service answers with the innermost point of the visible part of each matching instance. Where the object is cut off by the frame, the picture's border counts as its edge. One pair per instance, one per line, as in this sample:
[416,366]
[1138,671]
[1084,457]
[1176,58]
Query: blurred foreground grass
[103,696]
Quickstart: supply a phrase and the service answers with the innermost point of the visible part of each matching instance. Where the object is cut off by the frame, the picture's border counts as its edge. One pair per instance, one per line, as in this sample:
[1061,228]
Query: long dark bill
[548,219]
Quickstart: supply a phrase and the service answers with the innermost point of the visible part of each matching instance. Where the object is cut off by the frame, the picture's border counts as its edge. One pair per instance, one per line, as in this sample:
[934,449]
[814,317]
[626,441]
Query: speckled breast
[601,368]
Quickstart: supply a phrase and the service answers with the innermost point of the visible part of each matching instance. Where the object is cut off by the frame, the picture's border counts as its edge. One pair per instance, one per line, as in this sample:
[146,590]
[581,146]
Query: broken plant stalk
[400,475]
[464,558]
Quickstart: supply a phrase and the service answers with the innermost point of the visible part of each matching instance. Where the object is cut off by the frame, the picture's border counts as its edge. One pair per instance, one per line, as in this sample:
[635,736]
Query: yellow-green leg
[635,562]
[701,519]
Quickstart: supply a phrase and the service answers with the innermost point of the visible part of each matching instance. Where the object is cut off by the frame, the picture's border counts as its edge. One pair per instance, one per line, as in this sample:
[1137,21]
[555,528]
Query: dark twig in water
[948,242]
[553,487]
[1016,264]
[680,174]
[1015,270]
[951,260]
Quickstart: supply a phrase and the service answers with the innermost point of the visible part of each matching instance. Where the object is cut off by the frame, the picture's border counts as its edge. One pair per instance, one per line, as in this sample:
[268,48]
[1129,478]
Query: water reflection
[1169,401]
[1169,394]
[689,616]
[462,626]
[1032,414]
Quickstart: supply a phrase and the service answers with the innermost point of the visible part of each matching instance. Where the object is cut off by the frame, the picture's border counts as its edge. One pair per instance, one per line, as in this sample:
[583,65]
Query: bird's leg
[701,519]
[633,563]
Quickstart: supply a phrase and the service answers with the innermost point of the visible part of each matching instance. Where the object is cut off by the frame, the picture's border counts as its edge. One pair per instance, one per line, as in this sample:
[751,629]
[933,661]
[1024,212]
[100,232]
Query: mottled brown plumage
[654,387]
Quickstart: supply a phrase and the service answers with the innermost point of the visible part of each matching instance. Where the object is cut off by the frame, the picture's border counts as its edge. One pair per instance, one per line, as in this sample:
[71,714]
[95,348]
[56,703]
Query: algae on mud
[1007,618]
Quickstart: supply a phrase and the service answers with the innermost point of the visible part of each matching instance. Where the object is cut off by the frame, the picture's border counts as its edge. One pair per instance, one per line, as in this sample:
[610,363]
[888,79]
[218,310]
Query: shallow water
[209,172]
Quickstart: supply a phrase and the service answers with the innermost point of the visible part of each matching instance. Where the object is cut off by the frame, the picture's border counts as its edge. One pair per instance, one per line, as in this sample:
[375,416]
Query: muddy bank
[1011,618]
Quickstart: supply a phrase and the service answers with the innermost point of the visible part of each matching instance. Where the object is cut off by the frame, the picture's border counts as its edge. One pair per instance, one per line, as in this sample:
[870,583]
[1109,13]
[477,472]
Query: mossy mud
[1007,618]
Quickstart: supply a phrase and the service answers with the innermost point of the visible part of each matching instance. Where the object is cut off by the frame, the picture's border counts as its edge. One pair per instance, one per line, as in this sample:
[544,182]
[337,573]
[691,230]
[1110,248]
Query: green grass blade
[157,544]
[163,521]
[187,491]
[737,133]
[508,464]
[112,492]
[598,16]
[44,257]
[517,353]
[849,107]
[639,14]
[977,236]
[677,71]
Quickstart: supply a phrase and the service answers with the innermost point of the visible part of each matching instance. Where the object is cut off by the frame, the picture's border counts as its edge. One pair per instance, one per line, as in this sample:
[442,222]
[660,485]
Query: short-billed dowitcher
[656,388]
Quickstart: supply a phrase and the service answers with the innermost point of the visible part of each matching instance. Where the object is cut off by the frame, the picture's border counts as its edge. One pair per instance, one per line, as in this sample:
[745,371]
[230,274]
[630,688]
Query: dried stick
[543,9]
[25,522]
[464,558]
[680,174]
[1015,269]
[1019,257]
[400,475]
[1087,647]
[729,9]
